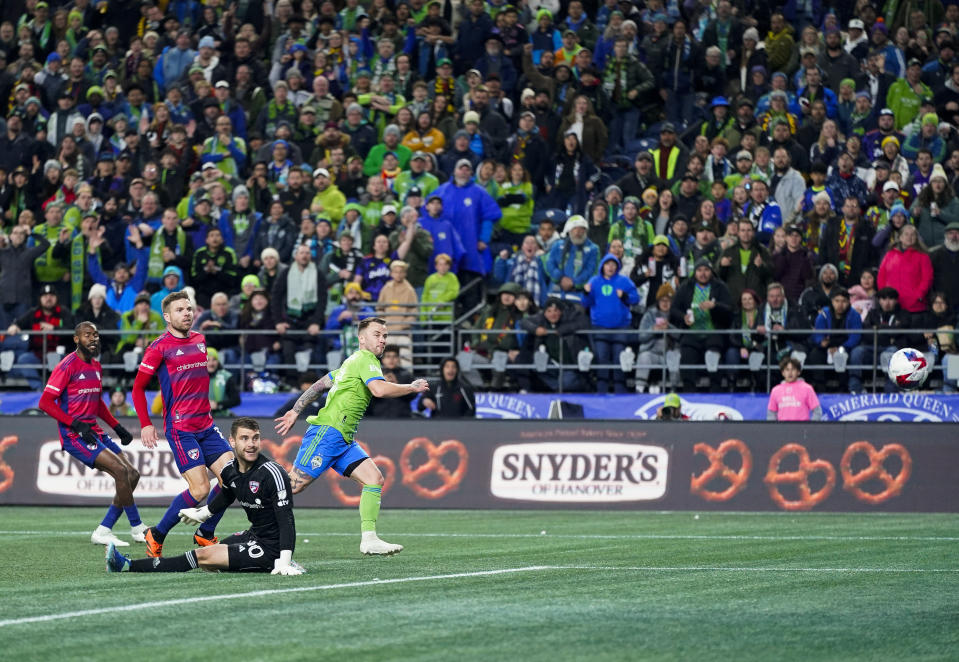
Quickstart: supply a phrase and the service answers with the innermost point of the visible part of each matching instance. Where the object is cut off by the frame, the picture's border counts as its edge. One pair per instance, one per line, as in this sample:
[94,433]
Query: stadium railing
[873,372]
[431,340]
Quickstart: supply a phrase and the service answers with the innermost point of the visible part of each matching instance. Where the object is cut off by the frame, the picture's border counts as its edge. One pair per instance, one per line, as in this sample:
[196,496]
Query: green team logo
[606,290]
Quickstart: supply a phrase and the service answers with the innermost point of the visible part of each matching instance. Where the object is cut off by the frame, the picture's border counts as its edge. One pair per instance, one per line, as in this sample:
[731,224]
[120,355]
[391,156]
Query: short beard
[951,246]
[461,181]
[577,242]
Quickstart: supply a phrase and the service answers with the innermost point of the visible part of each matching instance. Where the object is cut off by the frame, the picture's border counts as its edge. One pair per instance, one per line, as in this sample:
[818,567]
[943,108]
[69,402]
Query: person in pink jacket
[793,399]
[908,269]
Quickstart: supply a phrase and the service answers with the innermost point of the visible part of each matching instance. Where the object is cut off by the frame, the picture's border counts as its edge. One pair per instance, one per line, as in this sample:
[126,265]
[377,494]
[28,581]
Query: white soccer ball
[908,368]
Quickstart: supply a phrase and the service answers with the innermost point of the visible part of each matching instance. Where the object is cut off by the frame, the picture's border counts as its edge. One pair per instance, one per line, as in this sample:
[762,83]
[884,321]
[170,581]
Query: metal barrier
[768,364]
[432,334]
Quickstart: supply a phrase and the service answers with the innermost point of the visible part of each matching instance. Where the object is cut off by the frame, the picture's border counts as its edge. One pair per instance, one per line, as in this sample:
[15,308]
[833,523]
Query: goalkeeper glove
[85,430]
[124,434]
[195,516]
[285,565]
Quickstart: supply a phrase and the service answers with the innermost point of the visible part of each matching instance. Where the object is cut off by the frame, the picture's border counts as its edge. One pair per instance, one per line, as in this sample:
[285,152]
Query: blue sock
[170,518]
[133,515]
[113,514]
[209,527]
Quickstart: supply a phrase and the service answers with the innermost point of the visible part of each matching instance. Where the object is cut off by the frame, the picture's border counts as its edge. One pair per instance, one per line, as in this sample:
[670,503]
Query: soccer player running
[178,360]
[328,441]
[263,489]
[74,397]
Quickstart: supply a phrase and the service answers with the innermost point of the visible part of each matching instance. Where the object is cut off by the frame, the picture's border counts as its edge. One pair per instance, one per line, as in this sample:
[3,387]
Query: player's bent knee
[133,476]
[214,557]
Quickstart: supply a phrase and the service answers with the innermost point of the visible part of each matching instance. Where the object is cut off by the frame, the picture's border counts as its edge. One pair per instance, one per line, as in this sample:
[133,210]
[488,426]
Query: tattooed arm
[287,420]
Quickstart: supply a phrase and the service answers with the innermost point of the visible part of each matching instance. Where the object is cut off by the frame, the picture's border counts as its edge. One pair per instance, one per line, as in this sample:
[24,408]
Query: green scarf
[701,318]
[218,385]
[78,260]
[155,265]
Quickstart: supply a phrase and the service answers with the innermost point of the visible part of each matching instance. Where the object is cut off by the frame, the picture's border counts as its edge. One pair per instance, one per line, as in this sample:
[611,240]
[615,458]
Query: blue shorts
[324,447]
[87,453]
[197,449]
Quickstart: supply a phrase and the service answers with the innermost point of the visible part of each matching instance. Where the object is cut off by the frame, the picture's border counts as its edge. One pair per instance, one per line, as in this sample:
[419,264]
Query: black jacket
[16,266]
[453,399]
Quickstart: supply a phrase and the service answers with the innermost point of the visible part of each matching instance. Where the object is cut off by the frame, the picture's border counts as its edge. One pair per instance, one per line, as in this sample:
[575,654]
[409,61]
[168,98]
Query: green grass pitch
[489,585]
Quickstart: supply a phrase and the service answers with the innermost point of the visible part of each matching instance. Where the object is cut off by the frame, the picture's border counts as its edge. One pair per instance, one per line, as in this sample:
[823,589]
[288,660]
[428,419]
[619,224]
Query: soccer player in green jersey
[328,441]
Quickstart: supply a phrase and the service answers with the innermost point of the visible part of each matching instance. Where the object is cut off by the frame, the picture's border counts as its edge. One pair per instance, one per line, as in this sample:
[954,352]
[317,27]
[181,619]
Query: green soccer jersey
[347,400]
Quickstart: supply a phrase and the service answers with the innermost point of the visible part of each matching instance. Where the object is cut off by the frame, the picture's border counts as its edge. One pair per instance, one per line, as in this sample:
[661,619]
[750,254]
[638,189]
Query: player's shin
[182,563]
[208,528]
[113,514]
[170,518]
[370,507]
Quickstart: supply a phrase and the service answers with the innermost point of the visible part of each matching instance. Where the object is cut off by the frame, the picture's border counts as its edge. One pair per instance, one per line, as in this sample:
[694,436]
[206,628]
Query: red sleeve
[104,413]
[48,405]
[152,358]
[140,397]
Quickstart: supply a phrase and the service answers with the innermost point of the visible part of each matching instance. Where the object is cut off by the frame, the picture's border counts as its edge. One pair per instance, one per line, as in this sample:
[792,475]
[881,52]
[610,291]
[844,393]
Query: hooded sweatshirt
[607,309]
[157,298]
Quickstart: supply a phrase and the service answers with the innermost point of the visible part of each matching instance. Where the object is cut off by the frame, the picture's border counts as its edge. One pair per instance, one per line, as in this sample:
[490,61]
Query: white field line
[193,599]
[564,536]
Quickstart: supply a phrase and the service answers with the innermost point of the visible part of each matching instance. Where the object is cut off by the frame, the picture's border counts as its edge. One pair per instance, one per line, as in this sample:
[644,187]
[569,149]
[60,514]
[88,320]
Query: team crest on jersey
[194,453]
[316,462]
[254,486]
[201,346]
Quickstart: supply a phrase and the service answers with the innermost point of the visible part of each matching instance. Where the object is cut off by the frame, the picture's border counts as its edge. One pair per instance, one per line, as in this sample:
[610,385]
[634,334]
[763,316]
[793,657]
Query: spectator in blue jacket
[609,296]
[472,212]
[572,261]
[347,314]
[837,315]
[122,289]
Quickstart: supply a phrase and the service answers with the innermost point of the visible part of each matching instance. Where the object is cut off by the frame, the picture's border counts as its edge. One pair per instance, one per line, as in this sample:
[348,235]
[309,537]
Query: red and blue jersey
[180,366]
[77,389]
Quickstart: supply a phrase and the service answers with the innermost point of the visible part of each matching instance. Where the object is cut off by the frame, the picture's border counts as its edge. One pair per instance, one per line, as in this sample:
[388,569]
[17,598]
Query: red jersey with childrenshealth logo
[77,392]
[180,366]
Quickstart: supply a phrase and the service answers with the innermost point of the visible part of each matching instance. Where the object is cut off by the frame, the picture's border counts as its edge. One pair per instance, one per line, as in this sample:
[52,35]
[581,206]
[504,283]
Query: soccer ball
[908,368]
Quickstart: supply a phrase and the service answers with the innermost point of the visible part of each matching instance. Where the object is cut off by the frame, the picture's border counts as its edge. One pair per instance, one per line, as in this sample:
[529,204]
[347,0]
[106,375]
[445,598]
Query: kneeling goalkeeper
[262,487]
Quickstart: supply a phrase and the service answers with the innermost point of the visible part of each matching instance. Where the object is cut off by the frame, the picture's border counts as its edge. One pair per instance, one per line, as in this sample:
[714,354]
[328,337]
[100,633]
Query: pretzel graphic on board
[719,469]
[386,465]
[807,498]
[6,471]
[280,451]
[433,466]
[875,470]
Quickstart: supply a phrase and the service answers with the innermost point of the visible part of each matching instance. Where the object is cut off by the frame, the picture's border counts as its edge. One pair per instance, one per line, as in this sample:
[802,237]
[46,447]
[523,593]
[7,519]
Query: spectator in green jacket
[442,287]
[140,318]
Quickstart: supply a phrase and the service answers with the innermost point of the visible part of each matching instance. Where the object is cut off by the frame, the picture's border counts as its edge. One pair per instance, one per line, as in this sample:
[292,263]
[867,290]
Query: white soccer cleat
[104,536]
[374,546]
[138,533]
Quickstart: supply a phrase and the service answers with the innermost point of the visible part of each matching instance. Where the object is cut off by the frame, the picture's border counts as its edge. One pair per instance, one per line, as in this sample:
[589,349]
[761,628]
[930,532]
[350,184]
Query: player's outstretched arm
[381,388]
[288,420]
[148,434]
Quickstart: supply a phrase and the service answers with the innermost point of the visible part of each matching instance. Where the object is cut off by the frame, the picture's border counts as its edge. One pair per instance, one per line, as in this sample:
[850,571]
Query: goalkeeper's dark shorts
[247,554]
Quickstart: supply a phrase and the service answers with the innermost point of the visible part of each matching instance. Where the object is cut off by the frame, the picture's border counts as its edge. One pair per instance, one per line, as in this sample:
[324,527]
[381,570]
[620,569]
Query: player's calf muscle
[299,480]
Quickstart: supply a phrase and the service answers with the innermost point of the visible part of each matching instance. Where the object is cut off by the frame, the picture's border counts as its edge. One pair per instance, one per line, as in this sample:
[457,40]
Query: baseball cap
[388,209]
[857,24]
[668,127]
[48,289]
[419,155]
[890,186]
[321,171]
[464,162]
[575,221]
[223,84]
[887,111]
[793,229]
[471,116]
[207,42]
[744,154]
[414,192]
[672,400]
[208,166]
[660,239]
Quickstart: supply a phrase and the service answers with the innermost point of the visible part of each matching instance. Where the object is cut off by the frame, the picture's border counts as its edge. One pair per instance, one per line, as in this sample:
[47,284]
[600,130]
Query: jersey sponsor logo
[84,391]
[316,462]
[191,366]
[194,453]
[579,472]
[254,486]
[281,494]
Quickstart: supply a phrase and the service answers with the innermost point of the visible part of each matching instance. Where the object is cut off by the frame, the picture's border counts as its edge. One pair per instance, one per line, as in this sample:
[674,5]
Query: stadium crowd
[626,167]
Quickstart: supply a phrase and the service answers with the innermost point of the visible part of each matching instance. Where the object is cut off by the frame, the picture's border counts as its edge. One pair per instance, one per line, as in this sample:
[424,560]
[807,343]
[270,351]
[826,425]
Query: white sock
[369,535]
[102,529]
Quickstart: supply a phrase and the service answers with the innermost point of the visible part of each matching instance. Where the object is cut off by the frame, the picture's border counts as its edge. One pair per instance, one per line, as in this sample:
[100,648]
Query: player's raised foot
[138,533]
[204,541]
[154,548]
[372,545]
[116,562]
[104,536]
